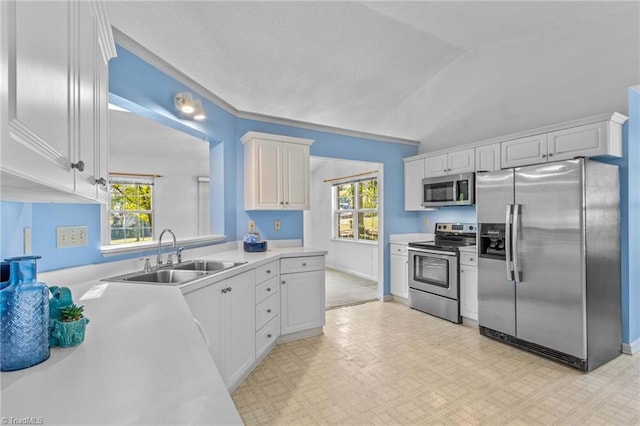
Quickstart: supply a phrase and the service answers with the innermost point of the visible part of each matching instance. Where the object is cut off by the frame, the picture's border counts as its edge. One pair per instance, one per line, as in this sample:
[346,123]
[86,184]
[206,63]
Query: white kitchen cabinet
[414,172]
[226,311]
[399,265]
[455,162]
[469,285]
[276,172]
[302,294]
[488,158]
[523,151]
[588,140]
[267,298]
[54,98]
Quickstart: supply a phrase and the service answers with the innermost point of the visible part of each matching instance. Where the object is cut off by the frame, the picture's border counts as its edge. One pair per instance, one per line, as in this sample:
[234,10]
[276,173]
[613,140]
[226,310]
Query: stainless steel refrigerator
[549,260]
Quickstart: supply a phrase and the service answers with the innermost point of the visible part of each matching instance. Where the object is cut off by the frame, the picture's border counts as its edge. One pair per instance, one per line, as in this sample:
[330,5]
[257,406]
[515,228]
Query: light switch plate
[276,224]
[71,236]
[252,225]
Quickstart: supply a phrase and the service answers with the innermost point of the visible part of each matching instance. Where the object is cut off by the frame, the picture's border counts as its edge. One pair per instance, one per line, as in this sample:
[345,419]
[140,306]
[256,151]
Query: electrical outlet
[252,225]
[71,236]
[425,222]
[276,224]
[27,240]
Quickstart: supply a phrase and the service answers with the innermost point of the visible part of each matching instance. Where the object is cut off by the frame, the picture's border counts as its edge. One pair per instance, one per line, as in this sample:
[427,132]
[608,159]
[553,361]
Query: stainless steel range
[433,270]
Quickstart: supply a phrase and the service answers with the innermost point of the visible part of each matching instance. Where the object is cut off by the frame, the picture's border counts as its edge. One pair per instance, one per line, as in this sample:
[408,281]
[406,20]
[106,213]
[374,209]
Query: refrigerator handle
[516,225]
[507,242]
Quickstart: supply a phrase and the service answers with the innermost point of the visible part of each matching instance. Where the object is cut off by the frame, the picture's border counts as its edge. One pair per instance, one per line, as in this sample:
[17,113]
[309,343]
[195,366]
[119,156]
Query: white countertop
[409,238]
[143,360]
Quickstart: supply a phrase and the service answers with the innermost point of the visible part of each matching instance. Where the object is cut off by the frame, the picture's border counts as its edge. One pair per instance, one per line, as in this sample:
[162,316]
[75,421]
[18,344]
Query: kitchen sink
[177,274]
[207,265]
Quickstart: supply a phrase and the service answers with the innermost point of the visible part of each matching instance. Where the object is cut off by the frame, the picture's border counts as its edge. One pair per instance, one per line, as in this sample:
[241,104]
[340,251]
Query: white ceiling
[442,73]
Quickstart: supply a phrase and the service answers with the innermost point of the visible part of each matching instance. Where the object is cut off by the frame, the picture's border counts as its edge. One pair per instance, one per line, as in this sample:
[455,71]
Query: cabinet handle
[102,181]
[269,336]
[461,270]
[229,289]
[268,311]
[471,259]
[544,155]
[268,271]
[286,202]
[551,154]
[304,264]
[268,288]
[281,202]
[224,290]
[79,165]
[284,282]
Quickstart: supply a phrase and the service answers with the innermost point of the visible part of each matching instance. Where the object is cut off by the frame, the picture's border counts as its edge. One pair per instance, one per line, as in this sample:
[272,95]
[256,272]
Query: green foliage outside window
[131,218]
[356,210]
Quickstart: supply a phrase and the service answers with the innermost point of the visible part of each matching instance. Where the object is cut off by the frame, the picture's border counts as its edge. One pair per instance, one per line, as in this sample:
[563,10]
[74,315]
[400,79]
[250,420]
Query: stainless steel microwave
[450,190]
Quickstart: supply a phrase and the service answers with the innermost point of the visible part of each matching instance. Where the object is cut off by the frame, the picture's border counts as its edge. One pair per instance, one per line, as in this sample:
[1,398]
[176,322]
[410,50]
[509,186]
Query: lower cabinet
[469,286]
[399,269]
[302,294]
[226,313]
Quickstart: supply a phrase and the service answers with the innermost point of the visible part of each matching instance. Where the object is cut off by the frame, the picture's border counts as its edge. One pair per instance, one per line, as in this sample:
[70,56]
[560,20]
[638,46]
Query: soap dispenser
[24,316]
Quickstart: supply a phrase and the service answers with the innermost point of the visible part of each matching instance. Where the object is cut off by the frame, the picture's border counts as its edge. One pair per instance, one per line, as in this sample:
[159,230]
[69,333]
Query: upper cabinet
[414,172]
[276,172]
[488,158]
[589,140]
[54,100]
[455,162]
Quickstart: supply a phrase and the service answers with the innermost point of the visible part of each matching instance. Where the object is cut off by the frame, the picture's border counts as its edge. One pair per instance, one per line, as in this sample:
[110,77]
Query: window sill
[115,250]
[366,242]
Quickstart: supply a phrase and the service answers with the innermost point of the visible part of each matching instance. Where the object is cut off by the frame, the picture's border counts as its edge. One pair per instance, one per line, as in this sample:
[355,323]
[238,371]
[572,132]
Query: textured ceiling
[442,73]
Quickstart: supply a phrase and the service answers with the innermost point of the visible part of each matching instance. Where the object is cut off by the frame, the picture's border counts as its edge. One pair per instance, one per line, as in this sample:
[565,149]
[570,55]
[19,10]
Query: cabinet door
[205,305]
[268,175]
[239,326]
[37,54]
[295,176]
[302,301]
[413,175]
[488,158]
[524,151]
[86,72]
[588,140]
[469,292]
[461,161]
[399,284]
[436,165]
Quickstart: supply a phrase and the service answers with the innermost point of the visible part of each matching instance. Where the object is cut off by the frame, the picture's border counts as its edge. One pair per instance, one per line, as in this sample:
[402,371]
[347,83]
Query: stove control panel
[462,228]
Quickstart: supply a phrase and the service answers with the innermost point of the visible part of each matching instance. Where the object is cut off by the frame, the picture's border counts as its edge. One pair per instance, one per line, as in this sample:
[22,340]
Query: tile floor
[383,363]
[345,289]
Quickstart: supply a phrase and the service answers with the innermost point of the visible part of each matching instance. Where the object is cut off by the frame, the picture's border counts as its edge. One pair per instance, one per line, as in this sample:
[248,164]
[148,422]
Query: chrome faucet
[159,258]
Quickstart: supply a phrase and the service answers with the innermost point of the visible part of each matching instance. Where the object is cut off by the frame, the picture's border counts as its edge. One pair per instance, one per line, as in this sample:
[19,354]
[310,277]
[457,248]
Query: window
[131,210]
[355,210]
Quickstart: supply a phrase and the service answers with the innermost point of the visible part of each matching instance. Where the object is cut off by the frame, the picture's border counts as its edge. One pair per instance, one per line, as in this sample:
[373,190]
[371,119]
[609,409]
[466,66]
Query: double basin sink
[177,274]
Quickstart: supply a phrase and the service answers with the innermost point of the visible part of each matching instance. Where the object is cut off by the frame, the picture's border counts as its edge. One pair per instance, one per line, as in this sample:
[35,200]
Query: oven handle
[507,242]
[439,255]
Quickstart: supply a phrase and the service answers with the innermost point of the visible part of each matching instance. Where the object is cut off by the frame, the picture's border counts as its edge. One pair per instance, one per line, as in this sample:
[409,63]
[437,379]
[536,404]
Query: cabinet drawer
[400,249]
[267,310]
[267,289]
[468,259]
[266,272]
[301,264]
[267,336]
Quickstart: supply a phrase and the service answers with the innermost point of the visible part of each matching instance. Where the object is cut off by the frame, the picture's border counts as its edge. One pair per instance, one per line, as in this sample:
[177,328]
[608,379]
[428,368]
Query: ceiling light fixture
[188,106]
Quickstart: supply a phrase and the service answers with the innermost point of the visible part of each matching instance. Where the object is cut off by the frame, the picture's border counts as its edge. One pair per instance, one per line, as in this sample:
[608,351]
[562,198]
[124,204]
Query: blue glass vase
[24,317]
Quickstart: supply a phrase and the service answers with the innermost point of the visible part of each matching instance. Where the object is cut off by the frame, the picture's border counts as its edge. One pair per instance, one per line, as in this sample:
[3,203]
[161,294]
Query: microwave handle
[455,190]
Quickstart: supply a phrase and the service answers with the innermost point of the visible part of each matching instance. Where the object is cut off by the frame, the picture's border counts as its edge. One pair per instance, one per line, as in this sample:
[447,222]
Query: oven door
[434,272]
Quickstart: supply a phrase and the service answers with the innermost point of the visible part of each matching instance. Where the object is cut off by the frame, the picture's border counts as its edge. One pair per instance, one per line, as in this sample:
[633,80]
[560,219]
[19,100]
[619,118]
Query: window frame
[355,211]
[139,181]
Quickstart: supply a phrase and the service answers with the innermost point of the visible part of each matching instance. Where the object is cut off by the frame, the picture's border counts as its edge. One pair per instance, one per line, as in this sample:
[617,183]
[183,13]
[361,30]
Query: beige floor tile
[385,364]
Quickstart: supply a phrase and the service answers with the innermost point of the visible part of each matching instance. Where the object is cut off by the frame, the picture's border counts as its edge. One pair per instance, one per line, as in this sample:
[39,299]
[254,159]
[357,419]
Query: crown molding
[145,54]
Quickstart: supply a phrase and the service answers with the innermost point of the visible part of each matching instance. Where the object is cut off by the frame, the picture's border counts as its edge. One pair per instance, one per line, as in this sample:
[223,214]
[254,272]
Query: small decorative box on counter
[252,243]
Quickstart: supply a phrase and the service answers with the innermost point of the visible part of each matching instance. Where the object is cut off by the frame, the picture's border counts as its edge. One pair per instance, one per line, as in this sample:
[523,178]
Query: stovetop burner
[449,237]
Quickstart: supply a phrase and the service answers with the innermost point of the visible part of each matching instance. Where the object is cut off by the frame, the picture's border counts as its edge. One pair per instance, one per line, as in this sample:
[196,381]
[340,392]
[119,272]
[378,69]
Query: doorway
[345,219]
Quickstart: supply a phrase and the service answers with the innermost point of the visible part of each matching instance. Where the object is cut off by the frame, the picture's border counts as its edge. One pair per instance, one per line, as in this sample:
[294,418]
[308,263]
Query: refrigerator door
[550,294]
[496,293]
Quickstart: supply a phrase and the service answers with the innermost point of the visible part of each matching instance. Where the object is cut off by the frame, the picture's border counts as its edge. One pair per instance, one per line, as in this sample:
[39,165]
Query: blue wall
[462,214]
[631,287]
[14,218]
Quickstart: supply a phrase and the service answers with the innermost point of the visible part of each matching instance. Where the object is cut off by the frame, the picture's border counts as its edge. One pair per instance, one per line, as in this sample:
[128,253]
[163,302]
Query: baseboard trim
[301,335]
[349,271]
[469,322]
[399,299]
[387,298]
[631,348]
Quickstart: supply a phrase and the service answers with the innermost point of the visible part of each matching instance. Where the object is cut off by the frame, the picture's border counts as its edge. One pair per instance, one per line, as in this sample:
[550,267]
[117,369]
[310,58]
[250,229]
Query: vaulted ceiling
[442,73]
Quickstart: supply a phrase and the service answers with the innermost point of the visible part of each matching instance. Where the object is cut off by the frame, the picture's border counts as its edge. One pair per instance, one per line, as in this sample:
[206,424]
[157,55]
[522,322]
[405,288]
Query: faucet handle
[179,254]
[169,258]
[147,264]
